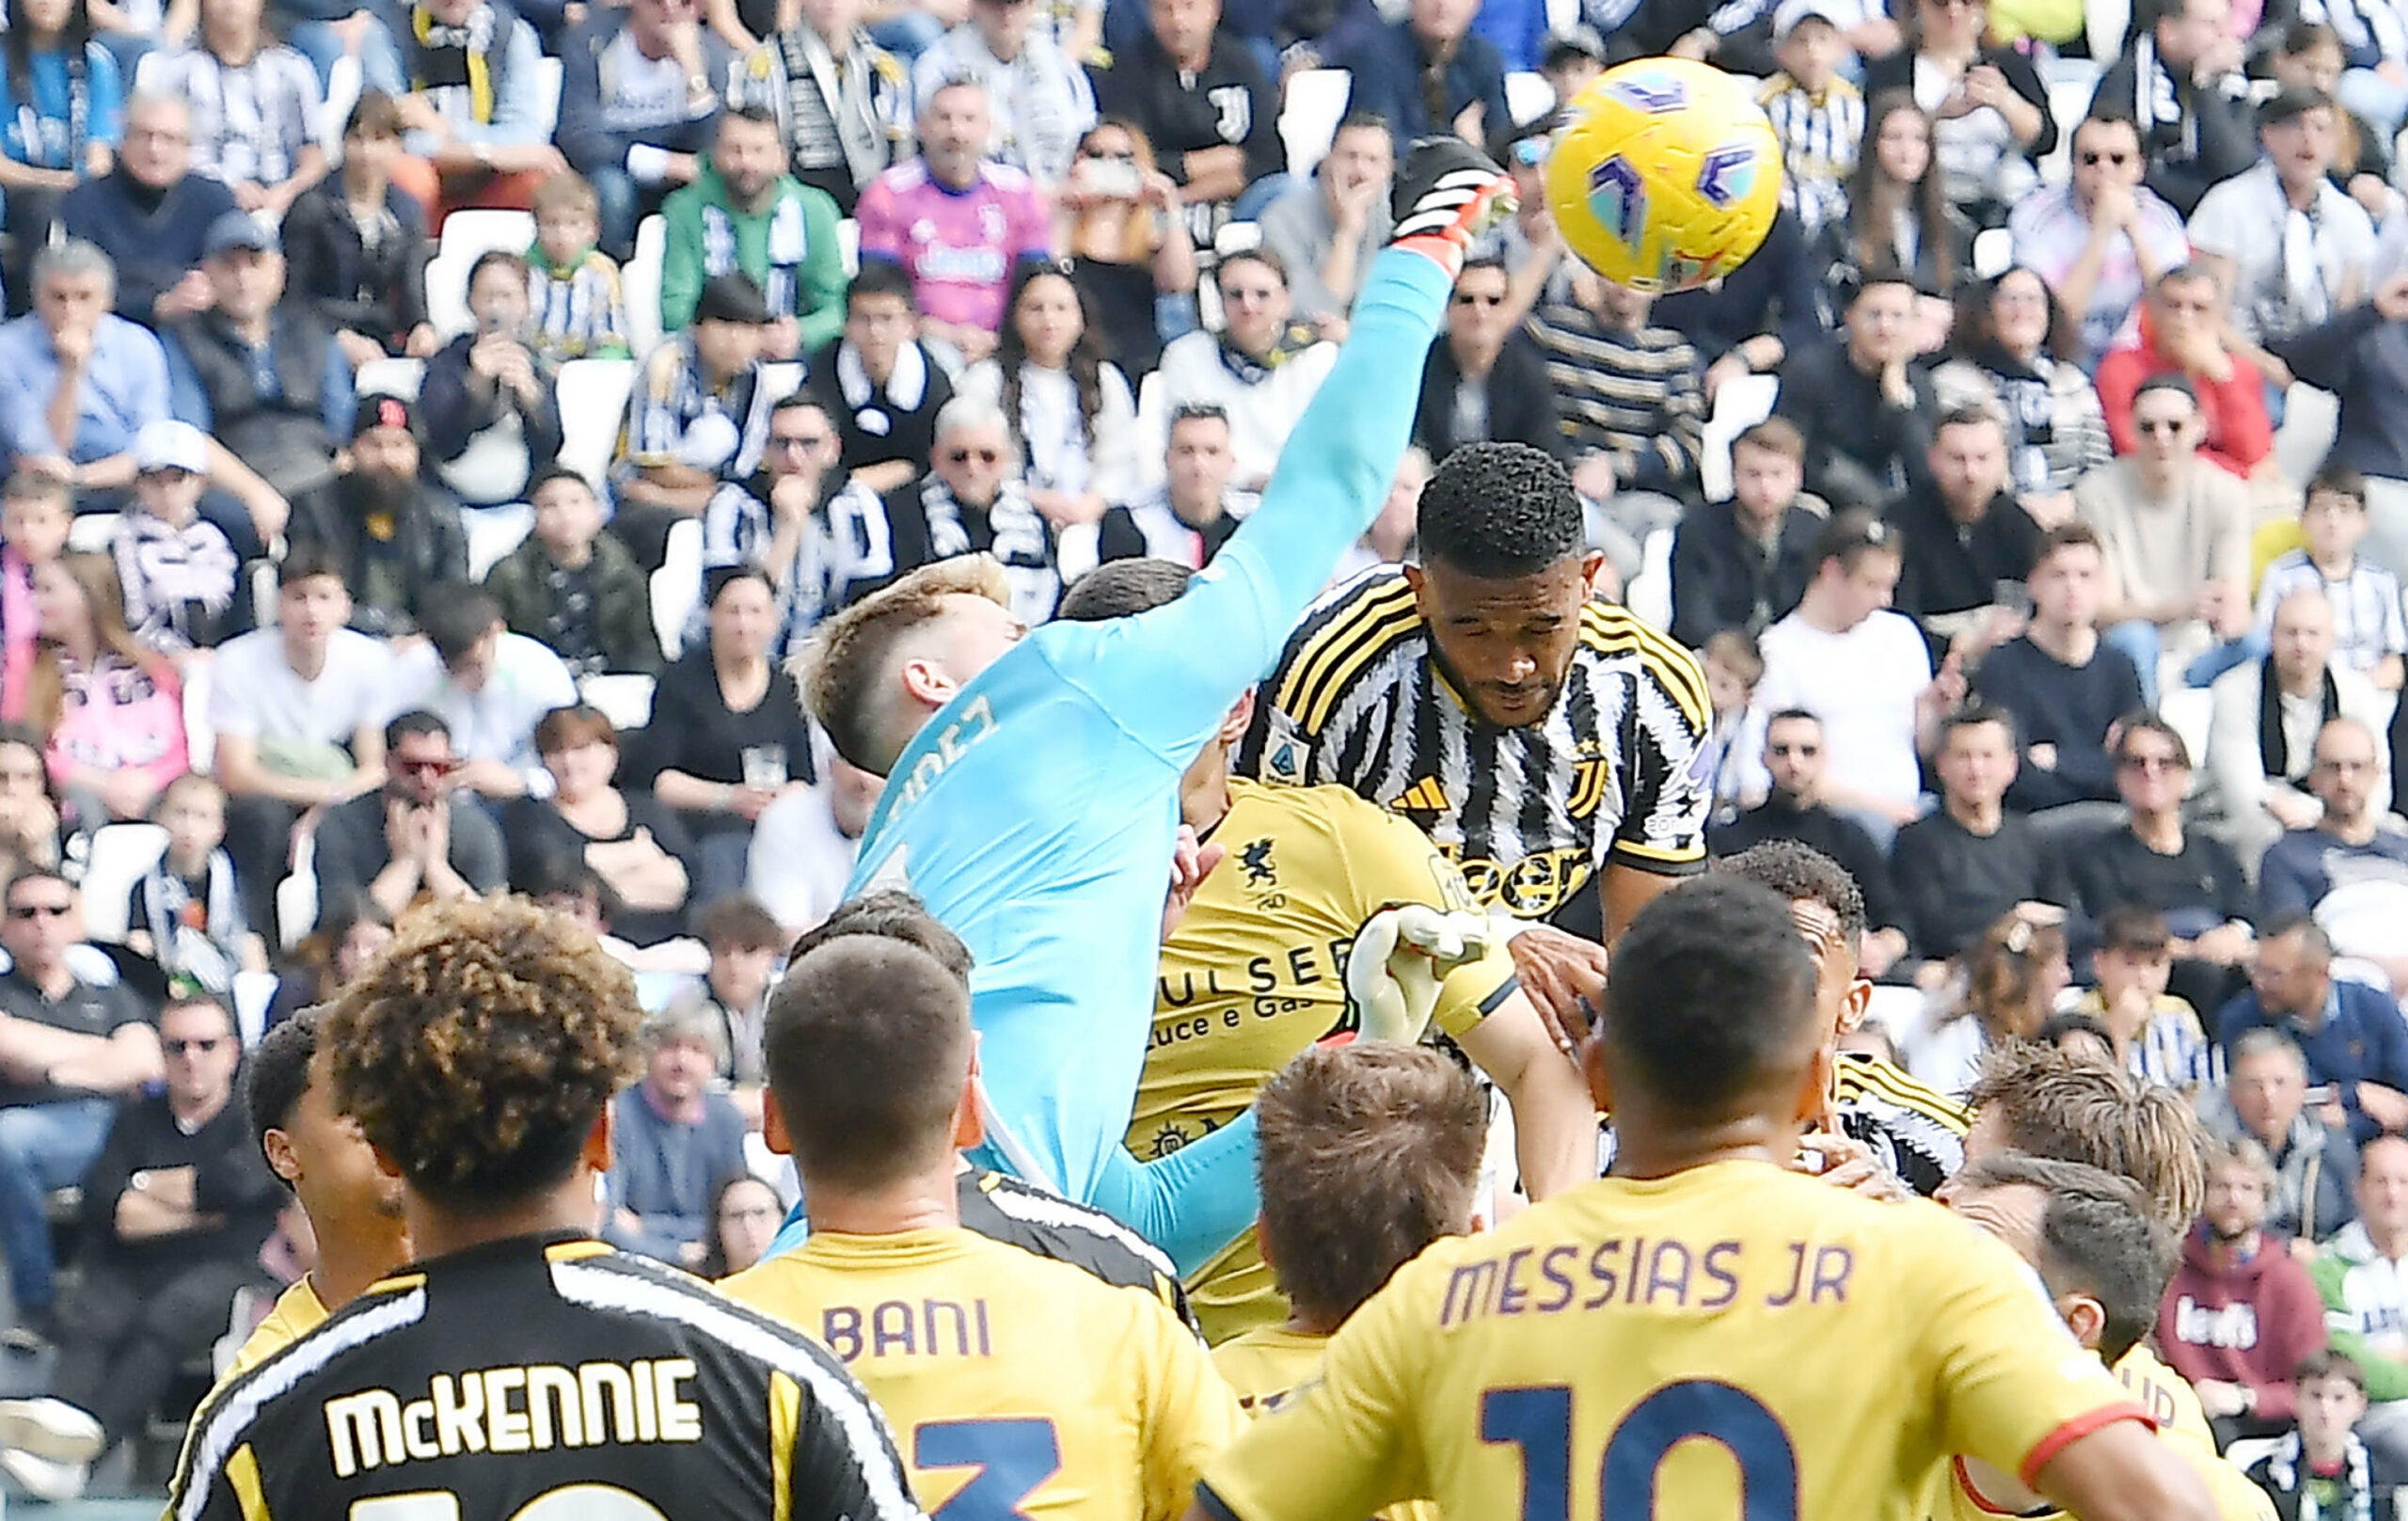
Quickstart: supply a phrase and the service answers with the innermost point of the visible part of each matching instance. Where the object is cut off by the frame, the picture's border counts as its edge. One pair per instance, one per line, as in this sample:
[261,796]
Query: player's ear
[1854,1004]
[927,682]
[1592,1067]
[2085,1317]
[281,1158]
[1240,716]
[1417,578]
[1592,564]
[1815,1094]
[773,1126]
[969,1126]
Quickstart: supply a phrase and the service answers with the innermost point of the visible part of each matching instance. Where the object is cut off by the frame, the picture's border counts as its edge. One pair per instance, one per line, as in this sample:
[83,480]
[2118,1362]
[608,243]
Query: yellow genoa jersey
[1015,1385]
[1271,1363]
[1255,973]
[1726,1334]
[298,1311]
[2166,1395]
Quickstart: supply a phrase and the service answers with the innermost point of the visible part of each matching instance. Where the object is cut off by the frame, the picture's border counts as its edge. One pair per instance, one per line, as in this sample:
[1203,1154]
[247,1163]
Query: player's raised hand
[1845,1161]
[1399,958]
[1558,971]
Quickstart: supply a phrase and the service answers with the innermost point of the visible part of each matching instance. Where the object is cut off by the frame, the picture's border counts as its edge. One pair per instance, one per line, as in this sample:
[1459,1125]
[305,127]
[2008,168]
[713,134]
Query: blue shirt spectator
[2353,1035]
[59,96]
[632,120]
[152,214]
[123,384]
[1388,64]
[674,1141]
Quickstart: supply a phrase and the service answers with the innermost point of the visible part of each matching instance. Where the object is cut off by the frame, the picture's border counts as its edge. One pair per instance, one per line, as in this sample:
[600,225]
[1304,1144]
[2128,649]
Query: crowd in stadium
[447,441]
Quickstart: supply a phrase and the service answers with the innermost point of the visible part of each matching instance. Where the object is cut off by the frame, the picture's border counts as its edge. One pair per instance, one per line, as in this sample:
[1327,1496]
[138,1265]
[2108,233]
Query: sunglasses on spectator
[426,768]
[39,911]
[2092,157]
[1478,298]
[178,1048]
[984,456]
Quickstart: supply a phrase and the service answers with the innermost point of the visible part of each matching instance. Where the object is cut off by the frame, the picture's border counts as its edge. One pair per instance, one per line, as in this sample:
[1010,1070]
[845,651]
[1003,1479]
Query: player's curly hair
[1801,874]
[1500,511]
[2047,1102]
[480,1047]
[846,669]
[1369,1152]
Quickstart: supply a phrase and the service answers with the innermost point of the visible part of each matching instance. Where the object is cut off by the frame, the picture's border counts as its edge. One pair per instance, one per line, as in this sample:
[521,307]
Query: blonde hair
[847,670]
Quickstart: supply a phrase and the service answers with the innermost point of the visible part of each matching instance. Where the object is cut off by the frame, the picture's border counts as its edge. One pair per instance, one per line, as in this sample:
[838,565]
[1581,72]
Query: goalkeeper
[1251,976]
[1033,778]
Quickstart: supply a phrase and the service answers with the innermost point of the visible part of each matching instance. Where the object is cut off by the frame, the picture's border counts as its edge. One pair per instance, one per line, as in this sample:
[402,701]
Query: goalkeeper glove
[1400,956]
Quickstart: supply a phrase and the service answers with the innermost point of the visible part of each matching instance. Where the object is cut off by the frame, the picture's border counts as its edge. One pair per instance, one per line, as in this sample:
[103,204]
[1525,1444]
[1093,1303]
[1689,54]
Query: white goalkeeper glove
[1399,957]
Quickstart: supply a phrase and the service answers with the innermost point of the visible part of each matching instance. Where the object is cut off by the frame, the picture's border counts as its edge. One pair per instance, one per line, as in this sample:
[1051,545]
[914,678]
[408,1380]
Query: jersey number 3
[1013,1459]
[1538,1421]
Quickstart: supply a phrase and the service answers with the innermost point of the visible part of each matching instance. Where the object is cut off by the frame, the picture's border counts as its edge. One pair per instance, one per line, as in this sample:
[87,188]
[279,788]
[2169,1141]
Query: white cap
[170,445]
[1785,19]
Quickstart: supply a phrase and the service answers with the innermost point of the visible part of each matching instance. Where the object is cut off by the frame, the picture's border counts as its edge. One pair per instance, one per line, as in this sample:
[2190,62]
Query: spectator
[35,514]
[805,846]
[1962,868]
[2309,52]
[956,222]
[110,712]
[1899,218]
[1864,408]
[2175,536]
[637,98]
[1817,115]
[1486,381]
[2346,842]
[882,386]
[176,570]
[1988,109]
[2180,83]
[2368,633]
[625,835]
[255,105]
[152,213]
[2320,1468]
[575,589]
[1965,534]
[2322,259]
[1744,564]
[2361,356]
[744,215]
[491,412]
[1205,106]
[2150,1034]
[2241,1312]
[842,103]
[1428,73]
[175,1209]
[358,244]
[1633,414]
[2315,1165]
[1575,57]
[411,837]
[396,538]
[1795,810]
[1130,251]
[2102,239]
[676,1141]
[1038,97]
[803,521]
[1262,369]
[727,734]
[479,135]
[2366,1294]
[1861,669]
[345,940]
[64,111]
[1389,540]
[572,285]
[1072,419]
[2012,358]
[1768,308]
[2351,1034]
[89,1044]
[746,945]
[490,687]
[2181,333]
[299,712]
[1997,997]
[744,1218]
[28,812]
[73,367]
[1195,511]
[262,376]
[2268,714]
[973,500]
[1325,233]
[2064,685]
[186,912]
[697,420]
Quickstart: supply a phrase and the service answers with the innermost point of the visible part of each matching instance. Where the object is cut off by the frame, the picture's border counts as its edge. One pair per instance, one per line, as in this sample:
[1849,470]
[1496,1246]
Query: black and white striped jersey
[1917,1132]
[1002,1208]
[1618,771]
[542,1378]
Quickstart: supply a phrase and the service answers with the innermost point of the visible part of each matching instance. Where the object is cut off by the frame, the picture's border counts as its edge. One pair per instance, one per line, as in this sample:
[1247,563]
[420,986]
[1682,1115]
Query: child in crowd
[1732,668]
[574,587]
[1819,117]
[2369,633]
[179,570]
[2322,1469]
[2156,1034]
[572,286]
[746,945]
[35,514]
[185,912]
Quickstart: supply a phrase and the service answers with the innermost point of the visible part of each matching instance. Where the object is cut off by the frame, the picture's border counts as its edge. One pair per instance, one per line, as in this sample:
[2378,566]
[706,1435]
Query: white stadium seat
[120,854]
[640,285]
[677,585]
[392,378]
[593,403]
[1316,102]
[626,700]
[467,236]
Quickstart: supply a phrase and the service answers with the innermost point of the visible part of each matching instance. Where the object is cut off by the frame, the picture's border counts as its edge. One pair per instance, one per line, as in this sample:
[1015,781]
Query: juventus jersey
[542,1378]
[1002,1208]
[1618,771]
[1919,1135]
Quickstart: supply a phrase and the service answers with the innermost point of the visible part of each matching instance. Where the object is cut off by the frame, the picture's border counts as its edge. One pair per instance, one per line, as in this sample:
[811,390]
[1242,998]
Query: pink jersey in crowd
[959,245]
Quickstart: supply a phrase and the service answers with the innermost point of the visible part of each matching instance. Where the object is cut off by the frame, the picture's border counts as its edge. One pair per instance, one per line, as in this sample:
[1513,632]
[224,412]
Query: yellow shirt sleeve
[1389,861]
[1191,1419]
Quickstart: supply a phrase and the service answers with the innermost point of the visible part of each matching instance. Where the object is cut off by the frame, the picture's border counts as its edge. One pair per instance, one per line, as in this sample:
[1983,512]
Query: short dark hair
[550,473]
[1500,511]
[1800,874]
[2134,929]
[1849,536]
[2302,922]
[2178,385]
[456,616]
[752,112]
[1974,416]
[1120,587]
[739,919]
[278,1073]
[879,276]
[2057,1027]
[1712,986]
[507,260]
[2145,721]
[374,115]
[2074,535]
[891,914]
[1268,257]
[2337,480]
[1359,120]
[417,721]
[1975,712]
[308,561]
[2096,1238]
[2328,1362]
[868,1042]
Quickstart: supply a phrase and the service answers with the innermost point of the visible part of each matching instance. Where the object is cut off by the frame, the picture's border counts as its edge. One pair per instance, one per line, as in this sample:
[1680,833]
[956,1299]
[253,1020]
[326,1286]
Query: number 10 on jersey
[1538,1421]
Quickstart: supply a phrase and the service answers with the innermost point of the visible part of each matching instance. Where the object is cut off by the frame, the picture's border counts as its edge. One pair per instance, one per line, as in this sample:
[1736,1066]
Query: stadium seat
[2188,712]
[2070,83]
[624,700]
[782,378]
[466,237]
[2104,24]
[1316,102]
[297,896]
[93,532]
[677,586]
[1993,252]
[398,377]
[640,285]
[493,532]
[1650,592]
[1529,96]
[1738,406]
[343,85]
[200,740]
[594,402]
[120,854]
[2312,417]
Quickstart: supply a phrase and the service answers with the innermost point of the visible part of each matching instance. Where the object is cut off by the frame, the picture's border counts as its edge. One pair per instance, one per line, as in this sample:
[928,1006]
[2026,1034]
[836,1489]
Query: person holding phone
[407,841]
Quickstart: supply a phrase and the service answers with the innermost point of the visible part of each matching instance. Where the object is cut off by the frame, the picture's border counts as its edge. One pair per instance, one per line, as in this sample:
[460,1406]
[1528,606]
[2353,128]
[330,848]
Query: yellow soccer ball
[1664,176]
